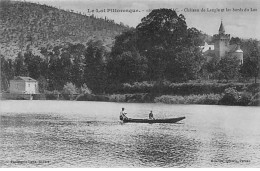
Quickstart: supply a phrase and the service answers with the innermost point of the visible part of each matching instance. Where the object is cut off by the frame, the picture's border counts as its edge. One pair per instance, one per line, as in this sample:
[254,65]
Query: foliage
[92,97]
[191,99]
[124,42]
[251,65]
[186,65]
[19,66]
[43,84]
[228,68]
[127,67]
[52,95]
[244,99]
[161,47]
[95,73]
[169,46]
[161,28]
[117,98]
[7,73]
[174,88]
[255,101]
[235,40]
[230,97]
[85,90]
[69,88]
[253,88]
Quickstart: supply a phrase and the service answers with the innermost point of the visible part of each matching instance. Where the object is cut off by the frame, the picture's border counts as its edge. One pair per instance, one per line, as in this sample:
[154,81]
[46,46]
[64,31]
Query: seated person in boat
[123,114]
[151,115]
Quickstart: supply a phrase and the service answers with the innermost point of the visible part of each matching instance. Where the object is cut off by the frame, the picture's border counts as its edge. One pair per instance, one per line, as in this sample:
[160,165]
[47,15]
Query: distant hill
[25,25]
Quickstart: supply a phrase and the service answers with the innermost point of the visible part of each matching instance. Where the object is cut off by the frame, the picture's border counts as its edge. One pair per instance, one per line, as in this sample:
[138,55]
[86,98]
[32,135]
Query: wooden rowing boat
[169,120]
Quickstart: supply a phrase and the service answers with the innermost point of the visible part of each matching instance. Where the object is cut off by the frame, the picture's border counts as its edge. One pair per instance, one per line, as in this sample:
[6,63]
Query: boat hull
[170,120]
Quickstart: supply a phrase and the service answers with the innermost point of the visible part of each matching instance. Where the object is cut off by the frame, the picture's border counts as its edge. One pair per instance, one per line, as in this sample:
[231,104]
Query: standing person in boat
[123,114]
[151,115]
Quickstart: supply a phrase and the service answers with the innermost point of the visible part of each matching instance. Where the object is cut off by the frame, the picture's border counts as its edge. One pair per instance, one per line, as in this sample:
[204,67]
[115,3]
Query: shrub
[212,99]
[182,89]
[170,99]
[85,90]
[255,101]
[117,98]
[230,97]
[91,97]
[39,97]
[52,95]
[69,88]
[244,99]
[192,99]
[253,88]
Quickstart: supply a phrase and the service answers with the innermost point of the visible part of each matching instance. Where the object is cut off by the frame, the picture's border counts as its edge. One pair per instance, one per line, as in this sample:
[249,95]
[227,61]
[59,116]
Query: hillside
[25,25]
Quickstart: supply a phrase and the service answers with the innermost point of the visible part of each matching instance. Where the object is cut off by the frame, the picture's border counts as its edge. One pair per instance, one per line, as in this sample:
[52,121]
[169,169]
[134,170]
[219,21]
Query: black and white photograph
[130,84]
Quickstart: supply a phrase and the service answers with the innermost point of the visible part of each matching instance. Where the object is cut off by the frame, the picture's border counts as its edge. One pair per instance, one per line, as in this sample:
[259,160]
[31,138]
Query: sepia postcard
[130,84]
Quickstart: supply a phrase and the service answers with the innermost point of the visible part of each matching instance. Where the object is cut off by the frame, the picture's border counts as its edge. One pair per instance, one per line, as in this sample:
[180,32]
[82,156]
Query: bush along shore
[189,93]
[185,93]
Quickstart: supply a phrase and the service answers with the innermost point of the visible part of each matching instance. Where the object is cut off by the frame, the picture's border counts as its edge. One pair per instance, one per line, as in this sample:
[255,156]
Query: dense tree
[19,66]
[228,68]
[95,69]
[56,79]
[171,48]
[195,37]
[7,73]
[127,41]
[33,64]
[127,67]
[162,28]
[77,56]
[251,65]
[43,84]
[185,65]
[235,40]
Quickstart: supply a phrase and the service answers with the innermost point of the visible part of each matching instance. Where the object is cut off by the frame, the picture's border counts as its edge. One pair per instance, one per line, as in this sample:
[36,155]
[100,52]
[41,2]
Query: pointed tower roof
[221,28]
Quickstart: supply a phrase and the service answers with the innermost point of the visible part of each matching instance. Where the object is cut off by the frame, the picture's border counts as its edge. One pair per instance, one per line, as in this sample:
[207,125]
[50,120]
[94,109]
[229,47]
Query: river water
[89,134]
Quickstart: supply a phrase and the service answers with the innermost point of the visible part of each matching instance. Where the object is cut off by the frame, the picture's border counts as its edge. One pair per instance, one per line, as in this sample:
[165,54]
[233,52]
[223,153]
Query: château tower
[222,47]
[221,42]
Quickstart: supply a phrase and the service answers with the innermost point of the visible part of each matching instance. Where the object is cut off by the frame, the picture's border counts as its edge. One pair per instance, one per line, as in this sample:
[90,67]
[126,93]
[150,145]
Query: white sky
[243,24]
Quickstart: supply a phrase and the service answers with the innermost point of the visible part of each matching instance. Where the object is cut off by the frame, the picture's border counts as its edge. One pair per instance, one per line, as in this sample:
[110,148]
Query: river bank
[244,99]
[235,94]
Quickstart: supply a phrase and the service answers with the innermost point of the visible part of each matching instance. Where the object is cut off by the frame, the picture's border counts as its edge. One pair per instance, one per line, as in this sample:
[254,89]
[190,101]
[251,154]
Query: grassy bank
[227,98]
[179,89]
[212,99]
[183,93]
[242,94]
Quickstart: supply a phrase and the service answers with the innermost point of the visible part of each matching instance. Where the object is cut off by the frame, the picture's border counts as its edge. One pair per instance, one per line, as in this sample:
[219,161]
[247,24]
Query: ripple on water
[88,139]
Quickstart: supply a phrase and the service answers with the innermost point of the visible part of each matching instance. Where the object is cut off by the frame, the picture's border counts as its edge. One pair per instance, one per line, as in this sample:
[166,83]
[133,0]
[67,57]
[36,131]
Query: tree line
[160,48]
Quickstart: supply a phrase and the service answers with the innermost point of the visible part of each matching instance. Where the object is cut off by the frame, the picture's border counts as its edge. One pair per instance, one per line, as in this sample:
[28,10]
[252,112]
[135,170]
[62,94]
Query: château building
[222,46]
